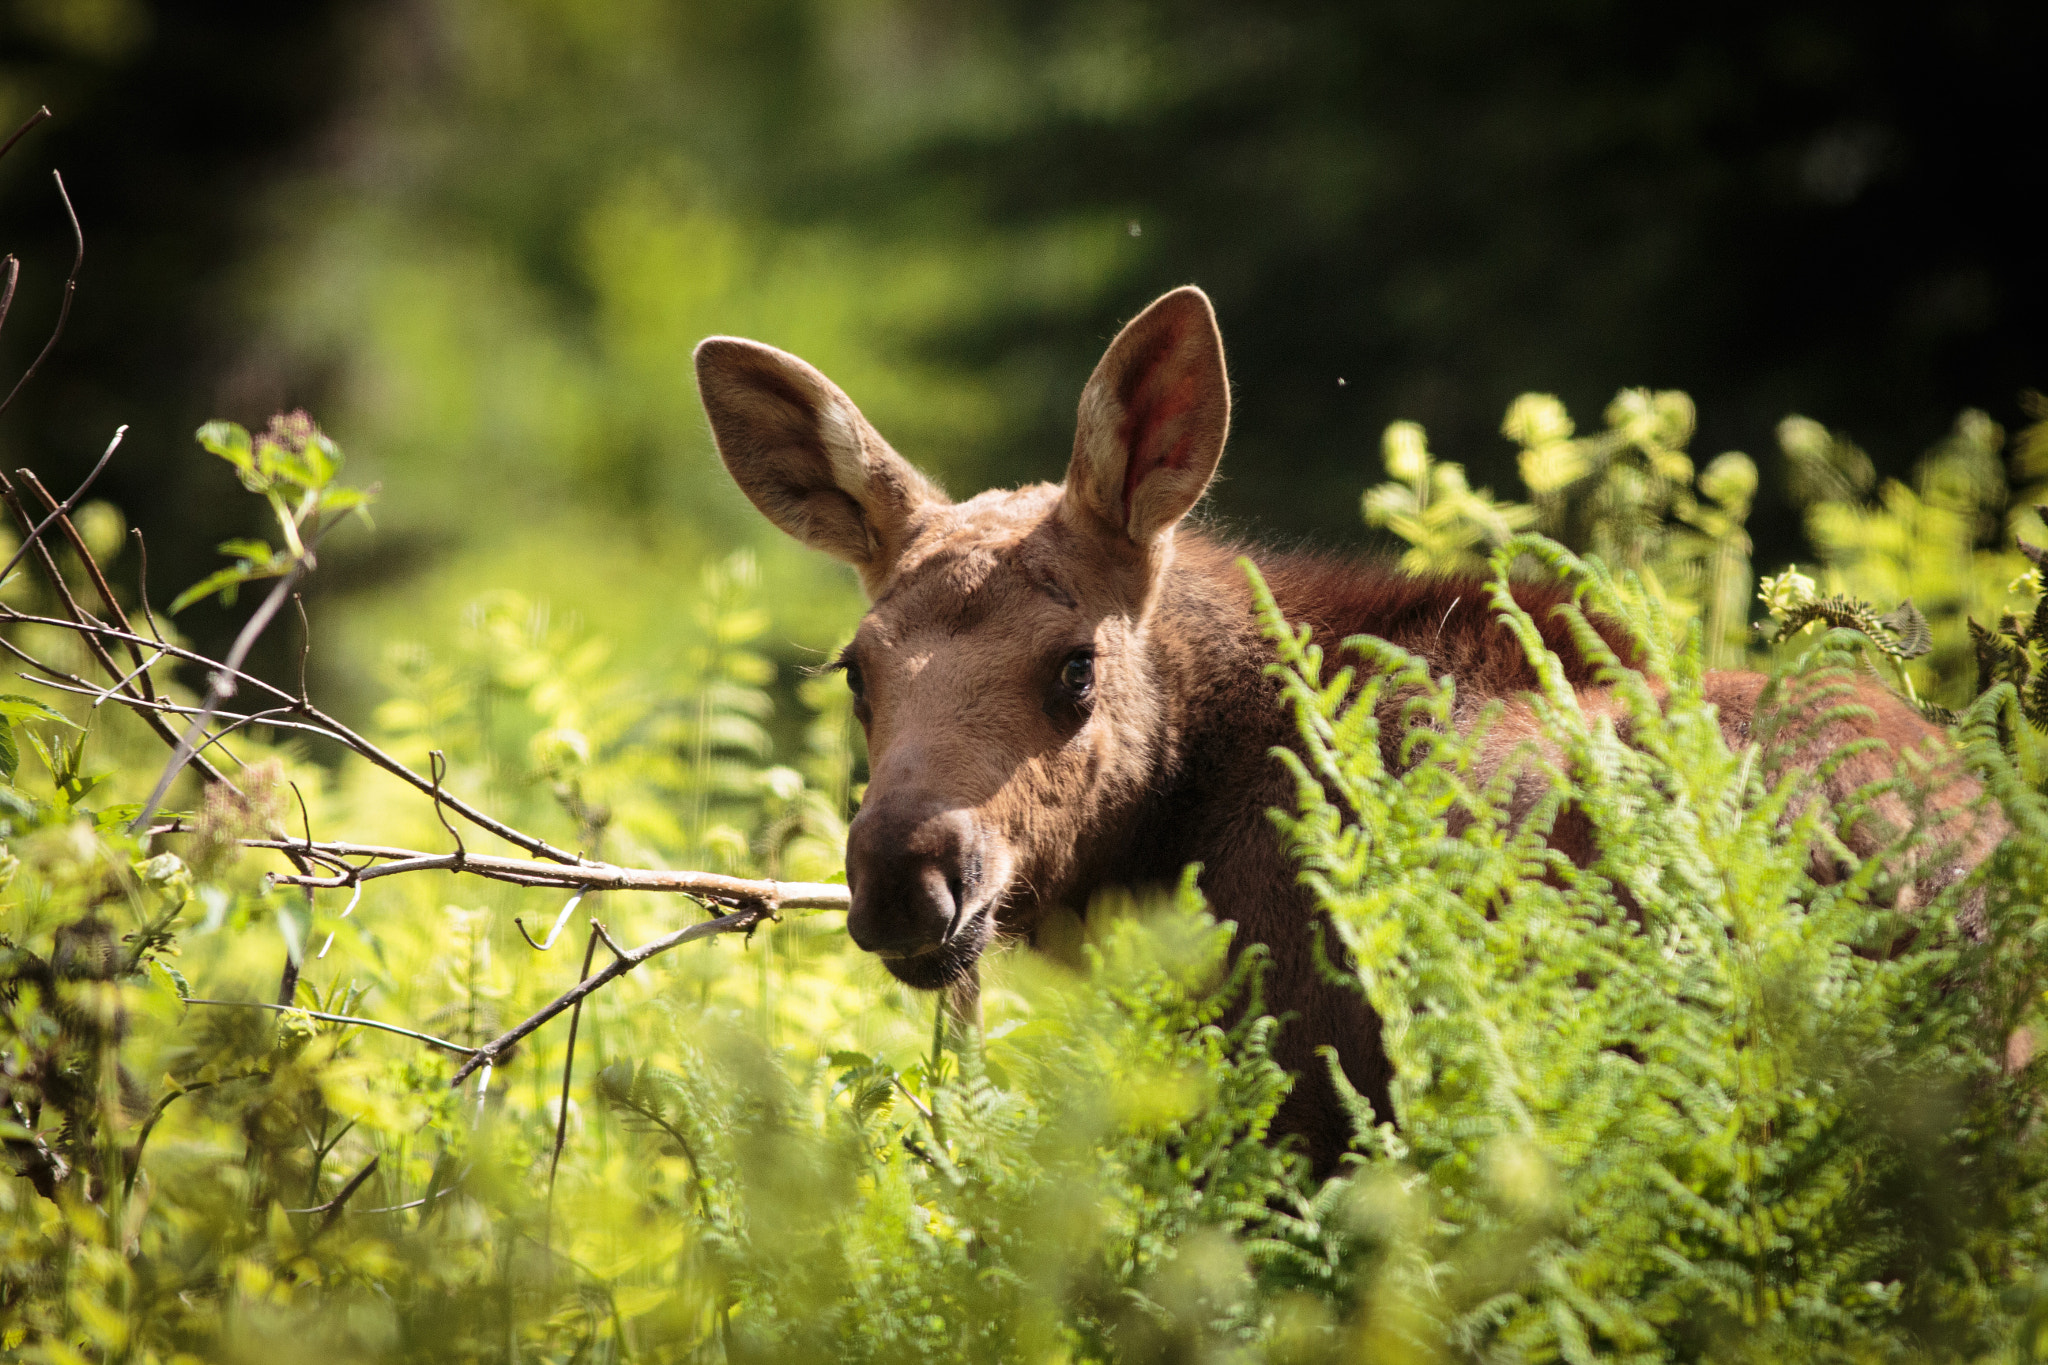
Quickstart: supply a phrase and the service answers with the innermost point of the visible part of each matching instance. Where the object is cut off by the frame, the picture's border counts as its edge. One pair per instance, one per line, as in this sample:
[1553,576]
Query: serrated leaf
[171,977]
[15,707]
[10,754]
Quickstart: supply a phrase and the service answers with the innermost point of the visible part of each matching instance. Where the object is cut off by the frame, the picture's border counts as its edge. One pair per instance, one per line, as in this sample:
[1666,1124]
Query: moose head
[1005,672]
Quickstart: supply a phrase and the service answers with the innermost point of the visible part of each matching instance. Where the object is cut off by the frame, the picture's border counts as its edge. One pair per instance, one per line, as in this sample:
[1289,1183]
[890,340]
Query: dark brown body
[1064,690]
[1217,777]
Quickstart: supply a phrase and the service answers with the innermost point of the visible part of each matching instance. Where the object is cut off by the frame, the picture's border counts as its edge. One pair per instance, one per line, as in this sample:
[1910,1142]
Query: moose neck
[1217,777]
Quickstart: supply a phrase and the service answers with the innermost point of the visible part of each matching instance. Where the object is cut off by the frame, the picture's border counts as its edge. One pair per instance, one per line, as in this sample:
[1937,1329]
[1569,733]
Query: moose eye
[1077,674]
[854,682]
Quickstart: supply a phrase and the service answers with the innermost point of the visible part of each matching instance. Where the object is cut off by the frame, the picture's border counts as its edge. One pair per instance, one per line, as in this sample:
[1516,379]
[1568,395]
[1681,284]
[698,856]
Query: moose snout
[912,869]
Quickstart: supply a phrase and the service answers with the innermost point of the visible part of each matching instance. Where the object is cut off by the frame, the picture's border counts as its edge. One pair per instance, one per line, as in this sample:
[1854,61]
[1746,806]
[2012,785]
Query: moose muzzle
[916,872]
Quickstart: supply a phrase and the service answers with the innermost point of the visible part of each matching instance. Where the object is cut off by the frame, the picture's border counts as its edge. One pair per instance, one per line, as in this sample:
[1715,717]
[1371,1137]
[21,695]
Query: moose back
[1063,686]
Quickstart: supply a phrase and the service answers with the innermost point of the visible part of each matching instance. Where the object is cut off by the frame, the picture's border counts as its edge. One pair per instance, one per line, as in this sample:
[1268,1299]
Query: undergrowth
[1683,1103]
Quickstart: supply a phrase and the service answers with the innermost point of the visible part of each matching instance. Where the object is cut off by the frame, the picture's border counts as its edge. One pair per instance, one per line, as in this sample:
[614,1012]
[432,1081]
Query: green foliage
[1627,494]
[1069,1187]
[1681,1104]
[292,465]
[1910,566]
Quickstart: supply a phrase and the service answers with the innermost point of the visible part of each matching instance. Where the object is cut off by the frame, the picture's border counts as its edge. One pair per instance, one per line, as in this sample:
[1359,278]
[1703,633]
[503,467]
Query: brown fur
[1002,796]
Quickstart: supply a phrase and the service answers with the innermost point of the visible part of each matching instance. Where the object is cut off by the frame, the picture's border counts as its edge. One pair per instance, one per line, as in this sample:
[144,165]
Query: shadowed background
[478,239]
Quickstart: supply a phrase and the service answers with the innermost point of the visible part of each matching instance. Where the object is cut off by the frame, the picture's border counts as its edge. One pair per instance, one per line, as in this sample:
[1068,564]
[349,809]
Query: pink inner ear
[1163,392]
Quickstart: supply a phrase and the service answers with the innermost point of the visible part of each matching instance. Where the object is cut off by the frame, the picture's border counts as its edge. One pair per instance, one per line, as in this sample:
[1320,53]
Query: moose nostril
[959,895]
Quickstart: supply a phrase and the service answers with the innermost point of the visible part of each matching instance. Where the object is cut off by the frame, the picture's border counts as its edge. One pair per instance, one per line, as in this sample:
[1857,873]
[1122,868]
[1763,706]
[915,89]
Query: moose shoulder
[1064,688]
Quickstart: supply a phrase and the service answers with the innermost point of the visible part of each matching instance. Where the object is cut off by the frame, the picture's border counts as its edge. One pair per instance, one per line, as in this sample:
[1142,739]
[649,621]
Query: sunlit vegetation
[1680,1104]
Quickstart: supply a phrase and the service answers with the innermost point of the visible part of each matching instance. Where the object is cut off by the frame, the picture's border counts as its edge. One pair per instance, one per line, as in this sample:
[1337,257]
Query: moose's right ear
[799,448]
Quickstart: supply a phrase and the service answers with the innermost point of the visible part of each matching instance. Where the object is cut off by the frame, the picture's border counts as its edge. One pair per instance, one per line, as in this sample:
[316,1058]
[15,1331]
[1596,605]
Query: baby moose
[1063,686]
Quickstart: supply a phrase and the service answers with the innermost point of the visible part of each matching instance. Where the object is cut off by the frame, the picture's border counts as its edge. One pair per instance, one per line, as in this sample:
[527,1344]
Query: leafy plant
[293,466]
[1682,1103]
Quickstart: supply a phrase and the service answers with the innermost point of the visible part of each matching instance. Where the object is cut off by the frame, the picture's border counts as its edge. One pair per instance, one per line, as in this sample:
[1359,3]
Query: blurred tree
[525,213]
[169,119]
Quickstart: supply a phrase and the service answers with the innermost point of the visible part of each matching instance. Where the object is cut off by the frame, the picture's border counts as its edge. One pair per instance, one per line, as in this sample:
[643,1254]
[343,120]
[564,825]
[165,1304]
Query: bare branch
[568,1071]
[219,687]
[305,647]
[437,769]
[332,1208]
[429,1039]
[70,287]
[741,891]
[61,514]
[7,290]
[142,583]
[19,133]
[738,922]
[314,721]
[599,930]
[92,631]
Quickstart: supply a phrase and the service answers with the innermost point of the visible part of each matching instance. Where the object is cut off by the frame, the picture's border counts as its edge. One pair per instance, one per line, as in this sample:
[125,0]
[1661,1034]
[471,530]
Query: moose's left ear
[1152,421]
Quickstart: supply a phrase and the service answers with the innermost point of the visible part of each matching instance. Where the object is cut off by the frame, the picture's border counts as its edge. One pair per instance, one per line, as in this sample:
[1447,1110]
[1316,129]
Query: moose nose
[908,865]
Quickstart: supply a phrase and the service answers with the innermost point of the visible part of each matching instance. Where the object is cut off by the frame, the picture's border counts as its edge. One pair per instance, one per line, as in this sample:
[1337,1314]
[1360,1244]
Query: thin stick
[553,933]
[346,911]
[305,647]
[316,722]
[142,583]
[148,1125]
[62,512]
[83,624]
[568,1070]
[19,133]
[120,684]
[7,293]
[70,289]
[742,891]
[740,921]
[332,1208]
[429,1039]
[219,687]
[437,768]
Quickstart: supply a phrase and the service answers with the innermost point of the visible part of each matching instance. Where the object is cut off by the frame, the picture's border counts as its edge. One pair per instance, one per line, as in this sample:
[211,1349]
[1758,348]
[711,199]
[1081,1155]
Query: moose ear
[1152,421]
[802,452]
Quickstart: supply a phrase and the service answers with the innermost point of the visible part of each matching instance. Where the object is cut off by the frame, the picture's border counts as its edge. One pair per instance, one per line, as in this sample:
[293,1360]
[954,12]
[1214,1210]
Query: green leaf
[10,754]
[224,582]
[111,818]
[172,977]
[50,760]
[230,441]
[15,707]
[343,499]
[258,551]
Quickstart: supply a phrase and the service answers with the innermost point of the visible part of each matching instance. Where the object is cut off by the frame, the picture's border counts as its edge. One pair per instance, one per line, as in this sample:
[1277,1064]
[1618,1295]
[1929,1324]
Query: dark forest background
[477,239]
